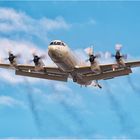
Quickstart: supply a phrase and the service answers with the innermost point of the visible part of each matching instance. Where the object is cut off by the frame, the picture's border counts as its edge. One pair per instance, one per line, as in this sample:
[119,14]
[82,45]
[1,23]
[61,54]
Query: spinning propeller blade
[37,59]
[11,57]
[118,56]
[91,55]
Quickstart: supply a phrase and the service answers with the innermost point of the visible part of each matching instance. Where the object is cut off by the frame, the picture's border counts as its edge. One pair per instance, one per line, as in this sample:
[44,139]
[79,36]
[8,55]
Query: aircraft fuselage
[65,59]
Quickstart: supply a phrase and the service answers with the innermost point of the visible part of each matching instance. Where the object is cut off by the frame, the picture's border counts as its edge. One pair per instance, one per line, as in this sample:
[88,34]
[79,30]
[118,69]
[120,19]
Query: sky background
[35,108]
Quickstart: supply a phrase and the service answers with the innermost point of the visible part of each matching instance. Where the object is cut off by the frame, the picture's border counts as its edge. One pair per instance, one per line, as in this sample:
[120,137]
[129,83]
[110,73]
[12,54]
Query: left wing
[105,67]
[107,75]
[107,71]
[51,73]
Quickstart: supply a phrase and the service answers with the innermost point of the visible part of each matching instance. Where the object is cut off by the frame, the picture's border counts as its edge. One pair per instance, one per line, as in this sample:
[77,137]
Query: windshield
[57,43]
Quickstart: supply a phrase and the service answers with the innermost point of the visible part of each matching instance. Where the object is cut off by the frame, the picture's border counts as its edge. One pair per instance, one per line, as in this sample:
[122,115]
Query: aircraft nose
[55,51]
[52,48]
[52,51]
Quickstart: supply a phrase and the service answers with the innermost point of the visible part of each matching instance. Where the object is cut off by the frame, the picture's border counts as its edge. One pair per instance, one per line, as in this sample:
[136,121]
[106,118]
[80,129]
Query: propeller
[38,59]
[91,55]
[12,58]
[92,59]
[118,54]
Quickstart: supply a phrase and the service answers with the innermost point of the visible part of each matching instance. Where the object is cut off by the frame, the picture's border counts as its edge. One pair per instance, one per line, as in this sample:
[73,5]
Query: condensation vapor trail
[32,106]
[122,115]
[137,91]
[75,117]
[37,115]
[134,88]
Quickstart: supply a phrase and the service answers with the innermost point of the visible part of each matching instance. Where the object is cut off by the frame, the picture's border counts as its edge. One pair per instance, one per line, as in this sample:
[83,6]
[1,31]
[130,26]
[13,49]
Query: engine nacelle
[95,67]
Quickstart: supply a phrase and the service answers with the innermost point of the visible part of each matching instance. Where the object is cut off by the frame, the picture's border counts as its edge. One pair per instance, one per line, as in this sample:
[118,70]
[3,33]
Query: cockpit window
[51,43]
[63,44]
[57,43]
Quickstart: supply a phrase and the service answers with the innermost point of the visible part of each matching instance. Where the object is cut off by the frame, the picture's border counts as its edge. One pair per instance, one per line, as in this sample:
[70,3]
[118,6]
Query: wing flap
[108,74]
[51,73]
[83,69]
[43,69]
[43,76]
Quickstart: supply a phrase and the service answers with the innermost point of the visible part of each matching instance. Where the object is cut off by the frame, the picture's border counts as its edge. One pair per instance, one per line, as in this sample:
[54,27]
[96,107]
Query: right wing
[50,73]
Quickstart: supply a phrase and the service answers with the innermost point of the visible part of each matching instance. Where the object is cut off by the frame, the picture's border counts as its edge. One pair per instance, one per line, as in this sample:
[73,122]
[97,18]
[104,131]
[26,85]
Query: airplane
[68,67]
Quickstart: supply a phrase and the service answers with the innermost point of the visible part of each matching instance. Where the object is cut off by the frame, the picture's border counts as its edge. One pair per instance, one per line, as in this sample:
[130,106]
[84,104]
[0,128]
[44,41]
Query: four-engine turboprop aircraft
[68,66]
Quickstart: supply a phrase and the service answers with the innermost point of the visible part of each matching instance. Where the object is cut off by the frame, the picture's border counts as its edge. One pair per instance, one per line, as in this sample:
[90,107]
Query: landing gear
[99,86]
[96,84]
[74,79]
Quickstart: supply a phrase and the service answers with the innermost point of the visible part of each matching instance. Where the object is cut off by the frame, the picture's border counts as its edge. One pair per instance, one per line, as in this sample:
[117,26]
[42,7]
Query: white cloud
[15,20]
[10,102]
[82,56]
[58,23]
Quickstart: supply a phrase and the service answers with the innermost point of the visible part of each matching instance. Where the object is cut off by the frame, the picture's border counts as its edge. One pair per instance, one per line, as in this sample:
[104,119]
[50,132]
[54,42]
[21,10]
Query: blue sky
[32,108]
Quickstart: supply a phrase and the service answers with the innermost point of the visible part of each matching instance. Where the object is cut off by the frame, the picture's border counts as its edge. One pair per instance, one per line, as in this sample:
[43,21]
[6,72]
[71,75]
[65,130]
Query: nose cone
[53,51]
[52,48]
[57,52]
